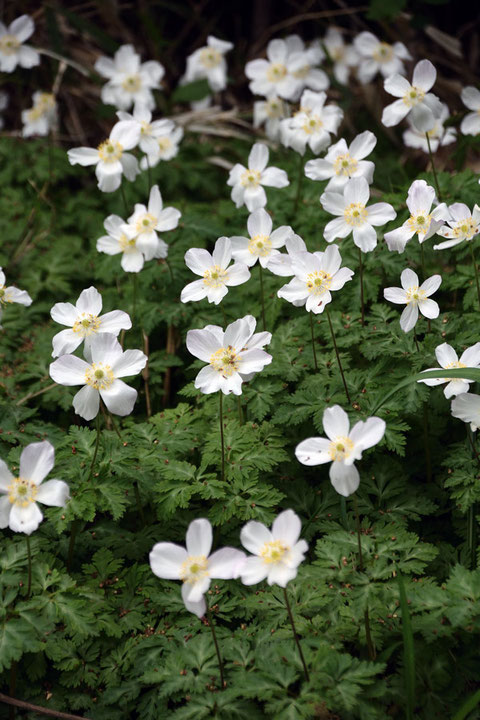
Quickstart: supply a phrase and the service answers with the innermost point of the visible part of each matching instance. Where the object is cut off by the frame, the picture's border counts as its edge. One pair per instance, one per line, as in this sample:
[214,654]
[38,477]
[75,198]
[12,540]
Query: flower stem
[433,167]
[222,439]
[368,635]
[262,296]
[313,343]
[149,174]
[125,205]
[295,636]
[217,649]
[29,555]
[299,185]
[362,297]
[476,273]
[416,341]
[338,356]
[241,418]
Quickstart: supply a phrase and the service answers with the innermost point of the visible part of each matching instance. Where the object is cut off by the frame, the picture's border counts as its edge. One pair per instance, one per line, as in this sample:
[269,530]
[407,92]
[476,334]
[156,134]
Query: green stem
[416,341]
[313,342]
[362,296]
[217,649]
[125,205]
[134,297]
[338,356]
[149,174]
[29,555]
[433,167]
[222,439]
[299,185]
[240,410]
[262,296]
[295,635]
[368,635]
[476,273]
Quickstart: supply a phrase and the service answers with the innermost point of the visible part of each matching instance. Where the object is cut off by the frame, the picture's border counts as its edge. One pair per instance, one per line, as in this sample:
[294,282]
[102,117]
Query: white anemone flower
[20,493]
[40,119]
[121,238]
[342,447]
[209,62]
[247,183]
[423,221]
[146,221]
[233,356]
[438,135]
[101,377]
[109,158]
[377,56]
[302,65]
[448,359]
[194,565]
[11,294]
[277,553]
[466,407]
[341,163]
[270,112]
[12,50]
[262,244]
[415,297]
[167,143]
[150,131]
[316,276]
[461,225]
[273,76]
[129,80]
[217,273]
[313,125]
[84,322]
[343,55]
[470,124]
[282,264]
[413,98]
[354,215]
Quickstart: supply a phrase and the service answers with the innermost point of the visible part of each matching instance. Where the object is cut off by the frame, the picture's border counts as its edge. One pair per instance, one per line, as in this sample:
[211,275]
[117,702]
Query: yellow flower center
[345,165]
[110,151]
[22,492]
[260,245]
[274,552]
[420,222]
[9,44]
[225,361]
[210,57]
[449,366]
[3,299]
[413,96]
[274,108]
[145,128]
[215,276]
[465,229]
[194,569]
[146,223]
[276,72]
[355,214]
[312,125]
[383,53]
[302,72]
[337,53]
[132,83]
[99,376]
[318,282]
[86,325]
[127,244]
[250,178]
[340,448]
[164,143]
[415,294]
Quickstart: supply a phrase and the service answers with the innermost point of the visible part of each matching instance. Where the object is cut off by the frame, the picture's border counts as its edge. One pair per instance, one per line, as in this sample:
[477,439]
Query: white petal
[199,537]
[83,156]
[429,308]
[36,461]
[471,97]
[397,85]
[222,253]
[86,402]
[313,451]
[281,575]
[259,223]
[409,317]
[208,380]
[119,398]
[394,113]
[258,158]
[64,313]
[275,177]
[253,537]
[365,237]
[431,284]
[89,301]
[380,213]
[22,27]
[198,260]
[335,422]
[69,370]
[287,527]
[344,478]
[445,355]
[471,356]
[362,145]
[466,407]
[65,342]
[424,75]
[25,519]
[239,332]
[202,344]
[254,571]
[194,291]
[53,492]
[105,348]
[5,507]
[409,279]
[115,321]
[369,433]
[166,560]
[395,295]
[226,564]
[356,191]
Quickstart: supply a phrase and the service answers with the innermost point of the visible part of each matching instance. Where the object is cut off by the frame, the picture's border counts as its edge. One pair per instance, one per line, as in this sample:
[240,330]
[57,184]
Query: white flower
[85,322]
[277,553]
[302,64]
[414,297]
[3,105]
[354,215]
[282,264]
[12,50]
[247,183]
[217,275]
[313,125]
[209,62]
[121,238]
[438,135]
[233,356]
[110,159]
[342,448]
[263,243]
[413,98]
[470,124]
[270,111]
[341,162]
[344,57]
[146,221]
[129,81]
[448,359]
[11,295]
[167,143]
[466,407]
[19,494]
[273,76]
[376,56]
[422,220]
[42,117]
[194,566]
[150,132]
[461,225]
[316,275]
[100,378]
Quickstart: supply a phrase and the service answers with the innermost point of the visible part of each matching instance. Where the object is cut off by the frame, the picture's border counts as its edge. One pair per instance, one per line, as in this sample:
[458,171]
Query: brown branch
[39,709]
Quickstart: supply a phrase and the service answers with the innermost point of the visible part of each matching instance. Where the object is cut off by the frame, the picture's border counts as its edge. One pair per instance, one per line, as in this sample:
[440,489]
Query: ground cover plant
[239,470]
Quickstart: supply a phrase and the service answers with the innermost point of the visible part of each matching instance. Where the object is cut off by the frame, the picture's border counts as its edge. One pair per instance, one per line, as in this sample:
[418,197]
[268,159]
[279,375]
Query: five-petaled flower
[448,360]
[461,225]
[341,163]
[11,295]
[218,274]
[415,297]
[247,183]
[145,222]
[413,98]
[263,244]
[12,50]
[129,80]
[378,56]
